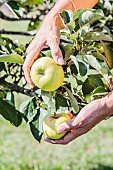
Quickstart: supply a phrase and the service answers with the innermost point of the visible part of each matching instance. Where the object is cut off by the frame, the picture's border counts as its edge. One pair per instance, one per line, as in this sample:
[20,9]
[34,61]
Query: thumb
[67,126]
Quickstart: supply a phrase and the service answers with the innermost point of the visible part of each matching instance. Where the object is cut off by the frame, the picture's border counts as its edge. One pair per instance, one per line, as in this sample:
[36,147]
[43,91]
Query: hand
[89,116]
[47,36]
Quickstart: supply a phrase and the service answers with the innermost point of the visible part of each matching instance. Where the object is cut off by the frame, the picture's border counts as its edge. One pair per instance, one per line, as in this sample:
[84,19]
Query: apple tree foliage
[87,47]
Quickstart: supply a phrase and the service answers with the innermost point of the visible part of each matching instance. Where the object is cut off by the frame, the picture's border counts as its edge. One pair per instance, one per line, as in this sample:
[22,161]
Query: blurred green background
[20,151]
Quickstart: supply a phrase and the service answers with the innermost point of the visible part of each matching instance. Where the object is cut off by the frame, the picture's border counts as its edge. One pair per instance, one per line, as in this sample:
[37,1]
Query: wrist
[108,104]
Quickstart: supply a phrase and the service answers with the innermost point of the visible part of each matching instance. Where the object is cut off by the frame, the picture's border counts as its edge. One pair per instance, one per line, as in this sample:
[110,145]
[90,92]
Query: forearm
[109,104]
[73,5]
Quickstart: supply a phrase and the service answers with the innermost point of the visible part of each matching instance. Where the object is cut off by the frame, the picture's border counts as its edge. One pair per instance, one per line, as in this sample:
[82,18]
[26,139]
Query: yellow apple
[46,74]
[51,122]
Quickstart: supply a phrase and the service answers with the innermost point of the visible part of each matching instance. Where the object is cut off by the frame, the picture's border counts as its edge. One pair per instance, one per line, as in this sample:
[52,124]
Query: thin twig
[18,32]
[18,89]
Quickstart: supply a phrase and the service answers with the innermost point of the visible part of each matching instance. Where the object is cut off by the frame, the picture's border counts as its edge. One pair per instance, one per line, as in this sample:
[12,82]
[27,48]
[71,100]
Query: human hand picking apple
[47,36]
[88,117]
[51,123]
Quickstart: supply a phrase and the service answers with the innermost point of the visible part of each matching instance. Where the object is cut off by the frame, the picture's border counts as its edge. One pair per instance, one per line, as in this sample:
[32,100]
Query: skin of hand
[49,34]
[88,117]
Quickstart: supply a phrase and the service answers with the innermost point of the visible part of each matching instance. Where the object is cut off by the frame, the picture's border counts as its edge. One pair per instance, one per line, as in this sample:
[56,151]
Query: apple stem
[55,115]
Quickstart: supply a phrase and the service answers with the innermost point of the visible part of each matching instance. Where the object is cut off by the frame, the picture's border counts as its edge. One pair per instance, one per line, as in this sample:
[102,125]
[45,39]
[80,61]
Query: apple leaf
[99,89]
[95,80]
[2,66]
[73,101]
[35,126]
[93,62]
[82,69]
[12,58]
[35,132]
[8,111]
[90,16]
[87,87]
[96,36]
[29,109]
[10,97]
[60,101]
[77,14]
[67,15]
[32,2]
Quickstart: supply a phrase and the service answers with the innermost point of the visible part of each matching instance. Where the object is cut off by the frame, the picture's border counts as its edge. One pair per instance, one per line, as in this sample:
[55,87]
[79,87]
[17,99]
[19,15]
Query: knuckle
[56,51]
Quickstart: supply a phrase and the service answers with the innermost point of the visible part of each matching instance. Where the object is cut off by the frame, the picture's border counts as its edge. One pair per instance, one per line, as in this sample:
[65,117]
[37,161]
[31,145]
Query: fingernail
[60,61]
[60,129]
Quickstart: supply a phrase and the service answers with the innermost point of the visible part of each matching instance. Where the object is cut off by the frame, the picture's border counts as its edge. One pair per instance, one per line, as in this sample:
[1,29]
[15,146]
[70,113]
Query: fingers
[57,54]
[69,125]
[68,137]
[70,114]
[30,58]
[32,53]
[53,43]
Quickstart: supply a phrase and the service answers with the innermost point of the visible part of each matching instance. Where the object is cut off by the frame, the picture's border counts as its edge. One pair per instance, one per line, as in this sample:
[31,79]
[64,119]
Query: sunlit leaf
[12,58]
[97,36]
[32,2]
[73,101]
[90,16]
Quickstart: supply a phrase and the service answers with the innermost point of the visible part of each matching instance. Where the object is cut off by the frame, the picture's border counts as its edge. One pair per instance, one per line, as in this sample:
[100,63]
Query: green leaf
[73,58]
[47,53]
[93,62]
[33,2]
[2,66]
[96,36]
[9,112]
[60,101]
[29,109]
[82,68]
[71,25]
[77,14]
[10,97]
[36,124]
[14,5]
[73,101]
[95,80]
[67,16]
[2,94]
[87,87]
[99,92]
[12,58]
[33,25]
[73,69]
[90,16]
[99,89]
[35,132]
[48,98]
[108,49]
[68,50]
